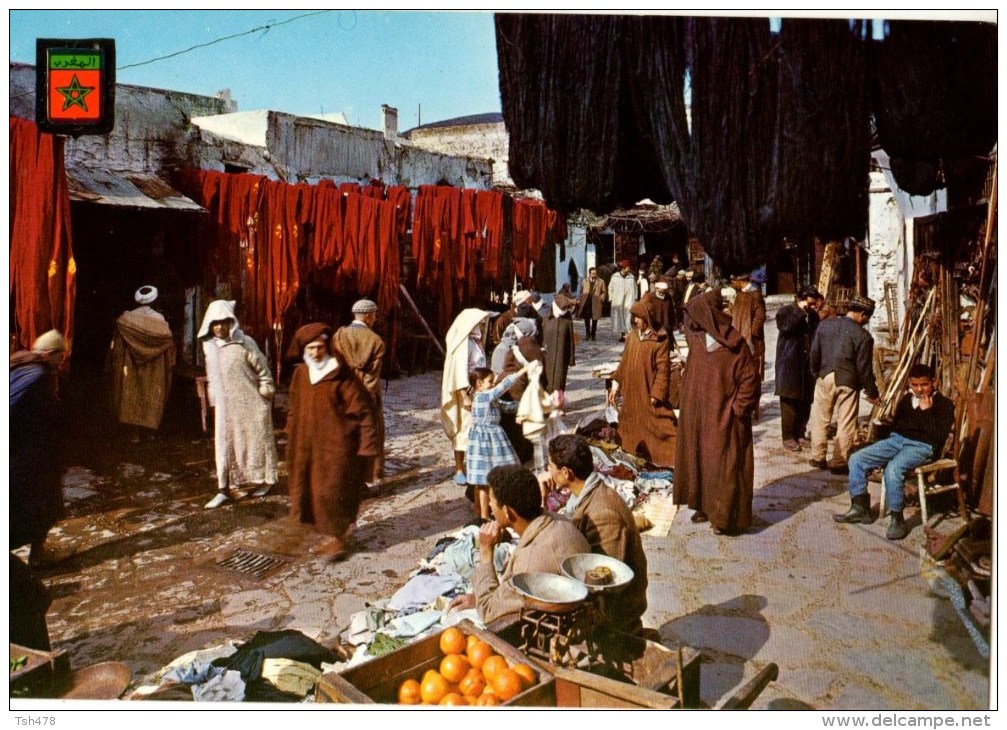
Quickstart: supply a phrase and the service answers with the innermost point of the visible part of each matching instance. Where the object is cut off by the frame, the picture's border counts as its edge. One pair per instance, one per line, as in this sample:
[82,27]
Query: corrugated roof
[134,190]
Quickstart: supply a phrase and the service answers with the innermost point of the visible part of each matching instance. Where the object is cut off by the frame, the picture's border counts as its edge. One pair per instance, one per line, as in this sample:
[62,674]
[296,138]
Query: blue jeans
[898,455]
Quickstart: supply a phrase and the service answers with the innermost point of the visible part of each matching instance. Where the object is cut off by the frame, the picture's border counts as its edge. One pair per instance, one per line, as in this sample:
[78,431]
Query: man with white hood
[241,389]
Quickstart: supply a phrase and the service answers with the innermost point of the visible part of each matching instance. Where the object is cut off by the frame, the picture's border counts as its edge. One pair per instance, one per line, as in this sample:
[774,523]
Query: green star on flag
[74,94]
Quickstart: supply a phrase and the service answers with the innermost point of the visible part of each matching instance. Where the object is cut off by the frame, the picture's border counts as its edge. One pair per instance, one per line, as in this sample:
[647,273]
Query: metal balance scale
[562,612]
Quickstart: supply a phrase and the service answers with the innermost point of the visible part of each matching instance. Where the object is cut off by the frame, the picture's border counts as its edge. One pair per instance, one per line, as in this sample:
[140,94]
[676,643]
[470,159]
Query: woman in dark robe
[332,439]
[646,419]
[715,465]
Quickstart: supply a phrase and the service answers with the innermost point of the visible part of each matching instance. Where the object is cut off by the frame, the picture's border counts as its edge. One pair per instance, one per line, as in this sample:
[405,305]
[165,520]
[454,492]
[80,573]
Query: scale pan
[549,592]
[577,566]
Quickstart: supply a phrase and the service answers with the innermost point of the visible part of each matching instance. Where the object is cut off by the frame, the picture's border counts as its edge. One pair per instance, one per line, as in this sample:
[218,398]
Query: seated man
[546,541]
[923,419]
[605,520]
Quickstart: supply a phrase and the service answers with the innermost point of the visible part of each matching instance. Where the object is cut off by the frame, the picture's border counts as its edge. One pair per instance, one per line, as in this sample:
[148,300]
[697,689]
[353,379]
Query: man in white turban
[142,358]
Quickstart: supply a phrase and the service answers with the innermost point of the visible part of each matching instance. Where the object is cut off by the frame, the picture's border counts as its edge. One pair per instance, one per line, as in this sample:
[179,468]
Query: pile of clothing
[419,608]
[273,666]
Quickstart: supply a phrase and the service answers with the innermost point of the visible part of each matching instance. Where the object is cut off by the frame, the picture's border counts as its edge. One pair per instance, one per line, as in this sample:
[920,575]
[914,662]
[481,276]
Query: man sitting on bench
[923,419]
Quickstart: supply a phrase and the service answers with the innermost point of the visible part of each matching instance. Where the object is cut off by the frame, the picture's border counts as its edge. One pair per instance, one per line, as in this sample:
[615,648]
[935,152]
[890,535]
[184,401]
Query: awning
[133,190]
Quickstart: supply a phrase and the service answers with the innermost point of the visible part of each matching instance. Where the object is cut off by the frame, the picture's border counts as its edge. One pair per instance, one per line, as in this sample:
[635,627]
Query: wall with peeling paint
[157,131]
[476,140]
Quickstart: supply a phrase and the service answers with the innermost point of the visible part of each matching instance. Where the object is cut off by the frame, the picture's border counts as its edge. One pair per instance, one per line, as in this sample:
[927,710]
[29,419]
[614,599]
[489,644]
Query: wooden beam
[423,321]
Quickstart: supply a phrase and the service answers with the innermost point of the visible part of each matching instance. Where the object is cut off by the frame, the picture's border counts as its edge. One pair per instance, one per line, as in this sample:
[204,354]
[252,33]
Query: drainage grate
[253,564]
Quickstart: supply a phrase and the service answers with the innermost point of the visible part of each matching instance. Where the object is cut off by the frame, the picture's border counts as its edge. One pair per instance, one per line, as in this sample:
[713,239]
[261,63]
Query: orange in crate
[433,687]
[453,641]
[507,684]
[409,693]
[526,673]
[473,684]
[491,666]
[454,667]
[478,652]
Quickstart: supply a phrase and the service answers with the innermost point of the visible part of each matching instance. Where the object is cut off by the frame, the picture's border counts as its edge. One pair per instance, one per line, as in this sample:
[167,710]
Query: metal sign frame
[75,85]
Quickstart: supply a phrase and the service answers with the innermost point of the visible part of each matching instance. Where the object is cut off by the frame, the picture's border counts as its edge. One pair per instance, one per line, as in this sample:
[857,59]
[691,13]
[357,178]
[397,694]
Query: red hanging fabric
[489,226]
[388,236]
[327,226]
[374,189]
[42,268]
[369,245]
[401,198]
[470,243]
[426,245]
[352,254]
[529,235]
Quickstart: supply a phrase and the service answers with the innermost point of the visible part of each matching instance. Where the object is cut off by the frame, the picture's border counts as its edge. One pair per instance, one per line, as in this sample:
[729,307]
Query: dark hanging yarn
[776,142]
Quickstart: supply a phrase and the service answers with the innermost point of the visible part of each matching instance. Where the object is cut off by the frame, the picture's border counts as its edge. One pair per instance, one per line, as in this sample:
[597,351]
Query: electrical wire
[266,27]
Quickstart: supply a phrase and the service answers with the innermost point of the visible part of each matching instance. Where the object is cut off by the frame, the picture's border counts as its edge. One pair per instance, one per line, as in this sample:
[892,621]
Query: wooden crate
[378,680]
[45,674]
[641,674]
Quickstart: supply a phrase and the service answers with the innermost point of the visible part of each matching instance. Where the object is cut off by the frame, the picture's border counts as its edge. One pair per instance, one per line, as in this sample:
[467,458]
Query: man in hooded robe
[523,347]
[241,389]
[332,440]
[660,306]
[465,352]
[715,466]
[141,360]
[646,419]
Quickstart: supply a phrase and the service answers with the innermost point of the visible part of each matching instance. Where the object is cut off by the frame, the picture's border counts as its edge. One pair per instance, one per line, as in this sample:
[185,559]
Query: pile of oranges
[470,673]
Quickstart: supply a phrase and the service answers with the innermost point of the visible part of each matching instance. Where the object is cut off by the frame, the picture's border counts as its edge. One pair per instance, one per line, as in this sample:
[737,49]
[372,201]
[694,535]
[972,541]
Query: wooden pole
[416,311]
[991,214]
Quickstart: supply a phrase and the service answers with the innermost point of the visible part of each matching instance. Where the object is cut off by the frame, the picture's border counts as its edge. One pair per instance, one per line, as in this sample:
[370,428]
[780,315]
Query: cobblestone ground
[841,610]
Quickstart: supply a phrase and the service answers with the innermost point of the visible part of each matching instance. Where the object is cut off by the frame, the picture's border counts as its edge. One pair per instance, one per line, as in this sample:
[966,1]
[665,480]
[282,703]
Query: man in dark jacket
[35,487]
[793,378]
[923,420]
[558,340]
[842,363]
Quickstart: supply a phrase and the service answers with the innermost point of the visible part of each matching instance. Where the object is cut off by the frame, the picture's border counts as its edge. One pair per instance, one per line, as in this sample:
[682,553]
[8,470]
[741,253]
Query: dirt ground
[842,611]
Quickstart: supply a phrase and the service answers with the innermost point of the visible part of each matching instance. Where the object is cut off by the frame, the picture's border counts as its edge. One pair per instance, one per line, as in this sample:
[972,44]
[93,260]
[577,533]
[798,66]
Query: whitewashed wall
[158,130]
[489,141]
[151,132]
[890,240]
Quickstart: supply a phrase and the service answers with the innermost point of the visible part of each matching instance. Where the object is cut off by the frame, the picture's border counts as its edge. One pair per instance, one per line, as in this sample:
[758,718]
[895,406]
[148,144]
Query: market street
[842,611]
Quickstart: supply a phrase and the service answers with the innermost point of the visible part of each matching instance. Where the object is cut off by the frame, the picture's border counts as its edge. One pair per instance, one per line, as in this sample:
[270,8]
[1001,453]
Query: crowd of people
[503,387]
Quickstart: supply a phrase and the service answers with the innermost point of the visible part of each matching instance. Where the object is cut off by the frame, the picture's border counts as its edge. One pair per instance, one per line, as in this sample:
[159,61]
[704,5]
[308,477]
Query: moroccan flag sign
[75,86]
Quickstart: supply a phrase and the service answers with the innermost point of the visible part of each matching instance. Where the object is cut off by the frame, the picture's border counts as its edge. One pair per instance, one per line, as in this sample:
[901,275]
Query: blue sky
[443,63]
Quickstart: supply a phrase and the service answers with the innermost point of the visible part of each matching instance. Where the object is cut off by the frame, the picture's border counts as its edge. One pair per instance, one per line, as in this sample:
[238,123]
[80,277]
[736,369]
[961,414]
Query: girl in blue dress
[488,443]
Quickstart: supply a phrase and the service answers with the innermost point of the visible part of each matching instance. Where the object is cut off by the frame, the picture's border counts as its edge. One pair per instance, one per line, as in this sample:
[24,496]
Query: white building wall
[303,149]
[890,241]
[151,132]
[577,250]
[489,141]
[157,130]
[886,260]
